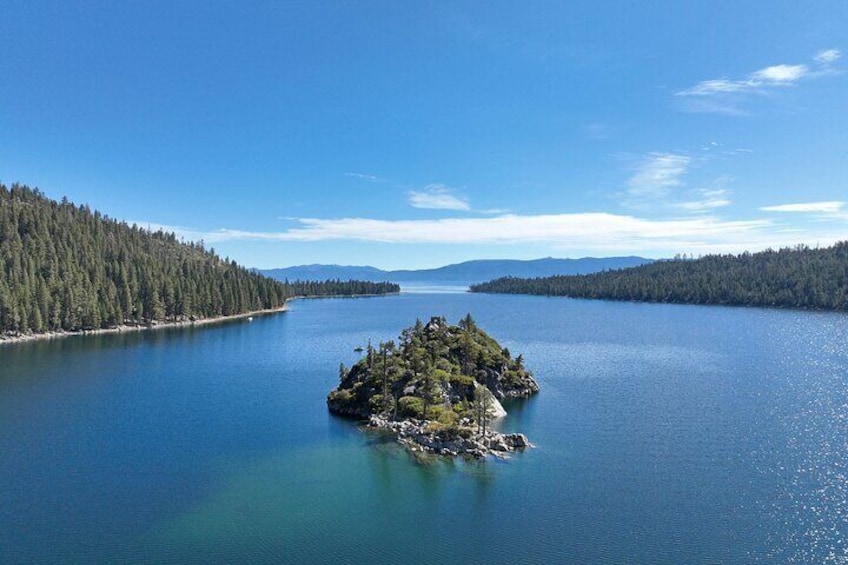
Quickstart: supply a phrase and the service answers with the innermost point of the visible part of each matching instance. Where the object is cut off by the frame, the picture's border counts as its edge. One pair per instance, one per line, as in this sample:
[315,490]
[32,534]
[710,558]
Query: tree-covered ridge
[336,287]
[68,268]
[799,277]
[436,371]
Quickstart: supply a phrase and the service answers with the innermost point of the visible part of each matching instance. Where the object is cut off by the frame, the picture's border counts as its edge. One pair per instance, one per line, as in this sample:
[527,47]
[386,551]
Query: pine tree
[66,267]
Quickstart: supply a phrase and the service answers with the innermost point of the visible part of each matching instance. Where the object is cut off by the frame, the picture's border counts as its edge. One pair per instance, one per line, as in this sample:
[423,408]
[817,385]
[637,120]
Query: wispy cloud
[829,207]
[434,196]
[438,197]
[576,229]
[710,200]
[582,232]
[657,175]
[728,96]
[675,183]
[828,56]
[778,75]
[738,151]
[364,176]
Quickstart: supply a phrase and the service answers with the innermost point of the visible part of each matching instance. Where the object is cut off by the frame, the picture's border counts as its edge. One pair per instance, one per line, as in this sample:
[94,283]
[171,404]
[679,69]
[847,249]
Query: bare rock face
[495,408]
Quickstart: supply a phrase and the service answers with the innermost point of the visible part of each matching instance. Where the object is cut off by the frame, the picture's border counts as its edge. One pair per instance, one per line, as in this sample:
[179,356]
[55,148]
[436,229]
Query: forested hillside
[68,268]
[798,277]
[433,368]
[337,287]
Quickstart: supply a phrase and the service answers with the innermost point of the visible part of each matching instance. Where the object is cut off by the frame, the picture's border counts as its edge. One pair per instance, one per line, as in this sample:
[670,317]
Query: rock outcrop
[421,435]
[438,389]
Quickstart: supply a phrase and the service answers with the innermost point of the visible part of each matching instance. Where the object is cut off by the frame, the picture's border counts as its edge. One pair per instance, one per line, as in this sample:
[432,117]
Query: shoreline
[5,339]
[24,338]
[417,437]
[324,296]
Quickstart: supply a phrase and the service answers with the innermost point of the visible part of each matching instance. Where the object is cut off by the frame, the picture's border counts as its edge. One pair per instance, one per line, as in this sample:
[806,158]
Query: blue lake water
[665,434]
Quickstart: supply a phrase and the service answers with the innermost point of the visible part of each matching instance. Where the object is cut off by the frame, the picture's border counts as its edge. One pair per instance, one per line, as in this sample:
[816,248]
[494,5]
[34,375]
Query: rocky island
[437,389]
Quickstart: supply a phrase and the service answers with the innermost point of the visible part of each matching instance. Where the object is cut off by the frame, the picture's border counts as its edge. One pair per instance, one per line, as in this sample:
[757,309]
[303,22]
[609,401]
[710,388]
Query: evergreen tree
[68,268]
[799,277]
[423,377]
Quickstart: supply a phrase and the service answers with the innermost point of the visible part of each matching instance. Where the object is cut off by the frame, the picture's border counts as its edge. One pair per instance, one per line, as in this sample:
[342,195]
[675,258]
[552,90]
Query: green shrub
[343,396]
[434,411]
[440,375]
[461,380]
[411,407]
[448,418]
[462,408]
[435,427]
[465,432]
[376,403]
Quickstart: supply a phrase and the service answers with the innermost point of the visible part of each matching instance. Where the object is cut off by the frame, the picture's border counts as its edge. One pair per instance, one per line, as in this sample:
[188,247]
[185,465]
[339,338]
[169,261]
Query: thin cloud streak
[830,207]
[725,96]
[705,205]
[581,228]
[364,176]
[437,197]
[582,232]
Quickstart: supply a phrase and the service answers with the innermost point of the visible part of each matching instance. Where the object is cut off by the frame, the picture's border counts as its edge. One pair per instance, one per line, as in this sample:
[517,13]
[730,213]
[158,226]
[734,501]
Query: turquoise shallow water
[666,434]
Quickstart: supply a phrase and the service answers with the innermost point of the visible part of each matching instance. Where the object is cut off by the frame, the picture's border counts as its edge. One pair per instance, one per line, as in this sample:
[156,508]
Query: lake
[665,434]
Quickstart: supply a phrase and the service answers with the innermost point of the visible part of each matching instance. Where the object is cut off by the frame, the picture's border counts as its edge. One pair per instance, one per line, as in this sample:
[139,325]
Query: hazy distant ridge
[466,272]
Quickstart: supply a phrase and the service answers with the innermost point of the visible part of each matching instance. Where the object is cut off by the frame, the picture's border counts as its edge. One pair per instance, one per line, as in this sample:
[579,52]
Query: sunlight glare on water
[665,434]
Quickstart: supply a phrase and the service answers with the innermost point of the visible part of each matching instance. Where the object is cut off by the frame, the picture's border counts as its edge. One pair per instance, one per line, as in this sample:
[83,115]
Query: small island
[437,390]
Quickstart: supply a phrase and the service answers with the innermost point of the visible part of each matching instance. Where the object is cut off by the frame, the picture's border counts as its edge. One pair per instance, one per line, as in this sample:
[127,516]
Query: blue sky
[415,134]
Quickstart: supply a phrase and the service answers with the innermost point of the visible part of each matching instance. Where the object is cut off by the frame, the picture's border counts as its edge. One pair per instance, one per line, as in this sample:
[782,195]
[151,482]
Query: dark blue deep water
[666,434]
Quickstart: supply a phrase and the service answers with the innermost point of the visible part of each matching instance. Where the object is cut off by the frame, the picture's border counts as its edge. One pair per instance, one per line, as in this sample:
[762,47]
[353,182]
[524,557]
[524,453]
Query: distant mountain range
[466,273]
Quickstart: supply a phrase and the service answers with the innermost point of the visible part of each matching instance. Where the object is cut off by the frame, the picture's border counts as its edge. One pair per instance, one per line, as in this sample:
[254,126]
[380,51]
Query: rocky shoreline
[19,338]
[425,436]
